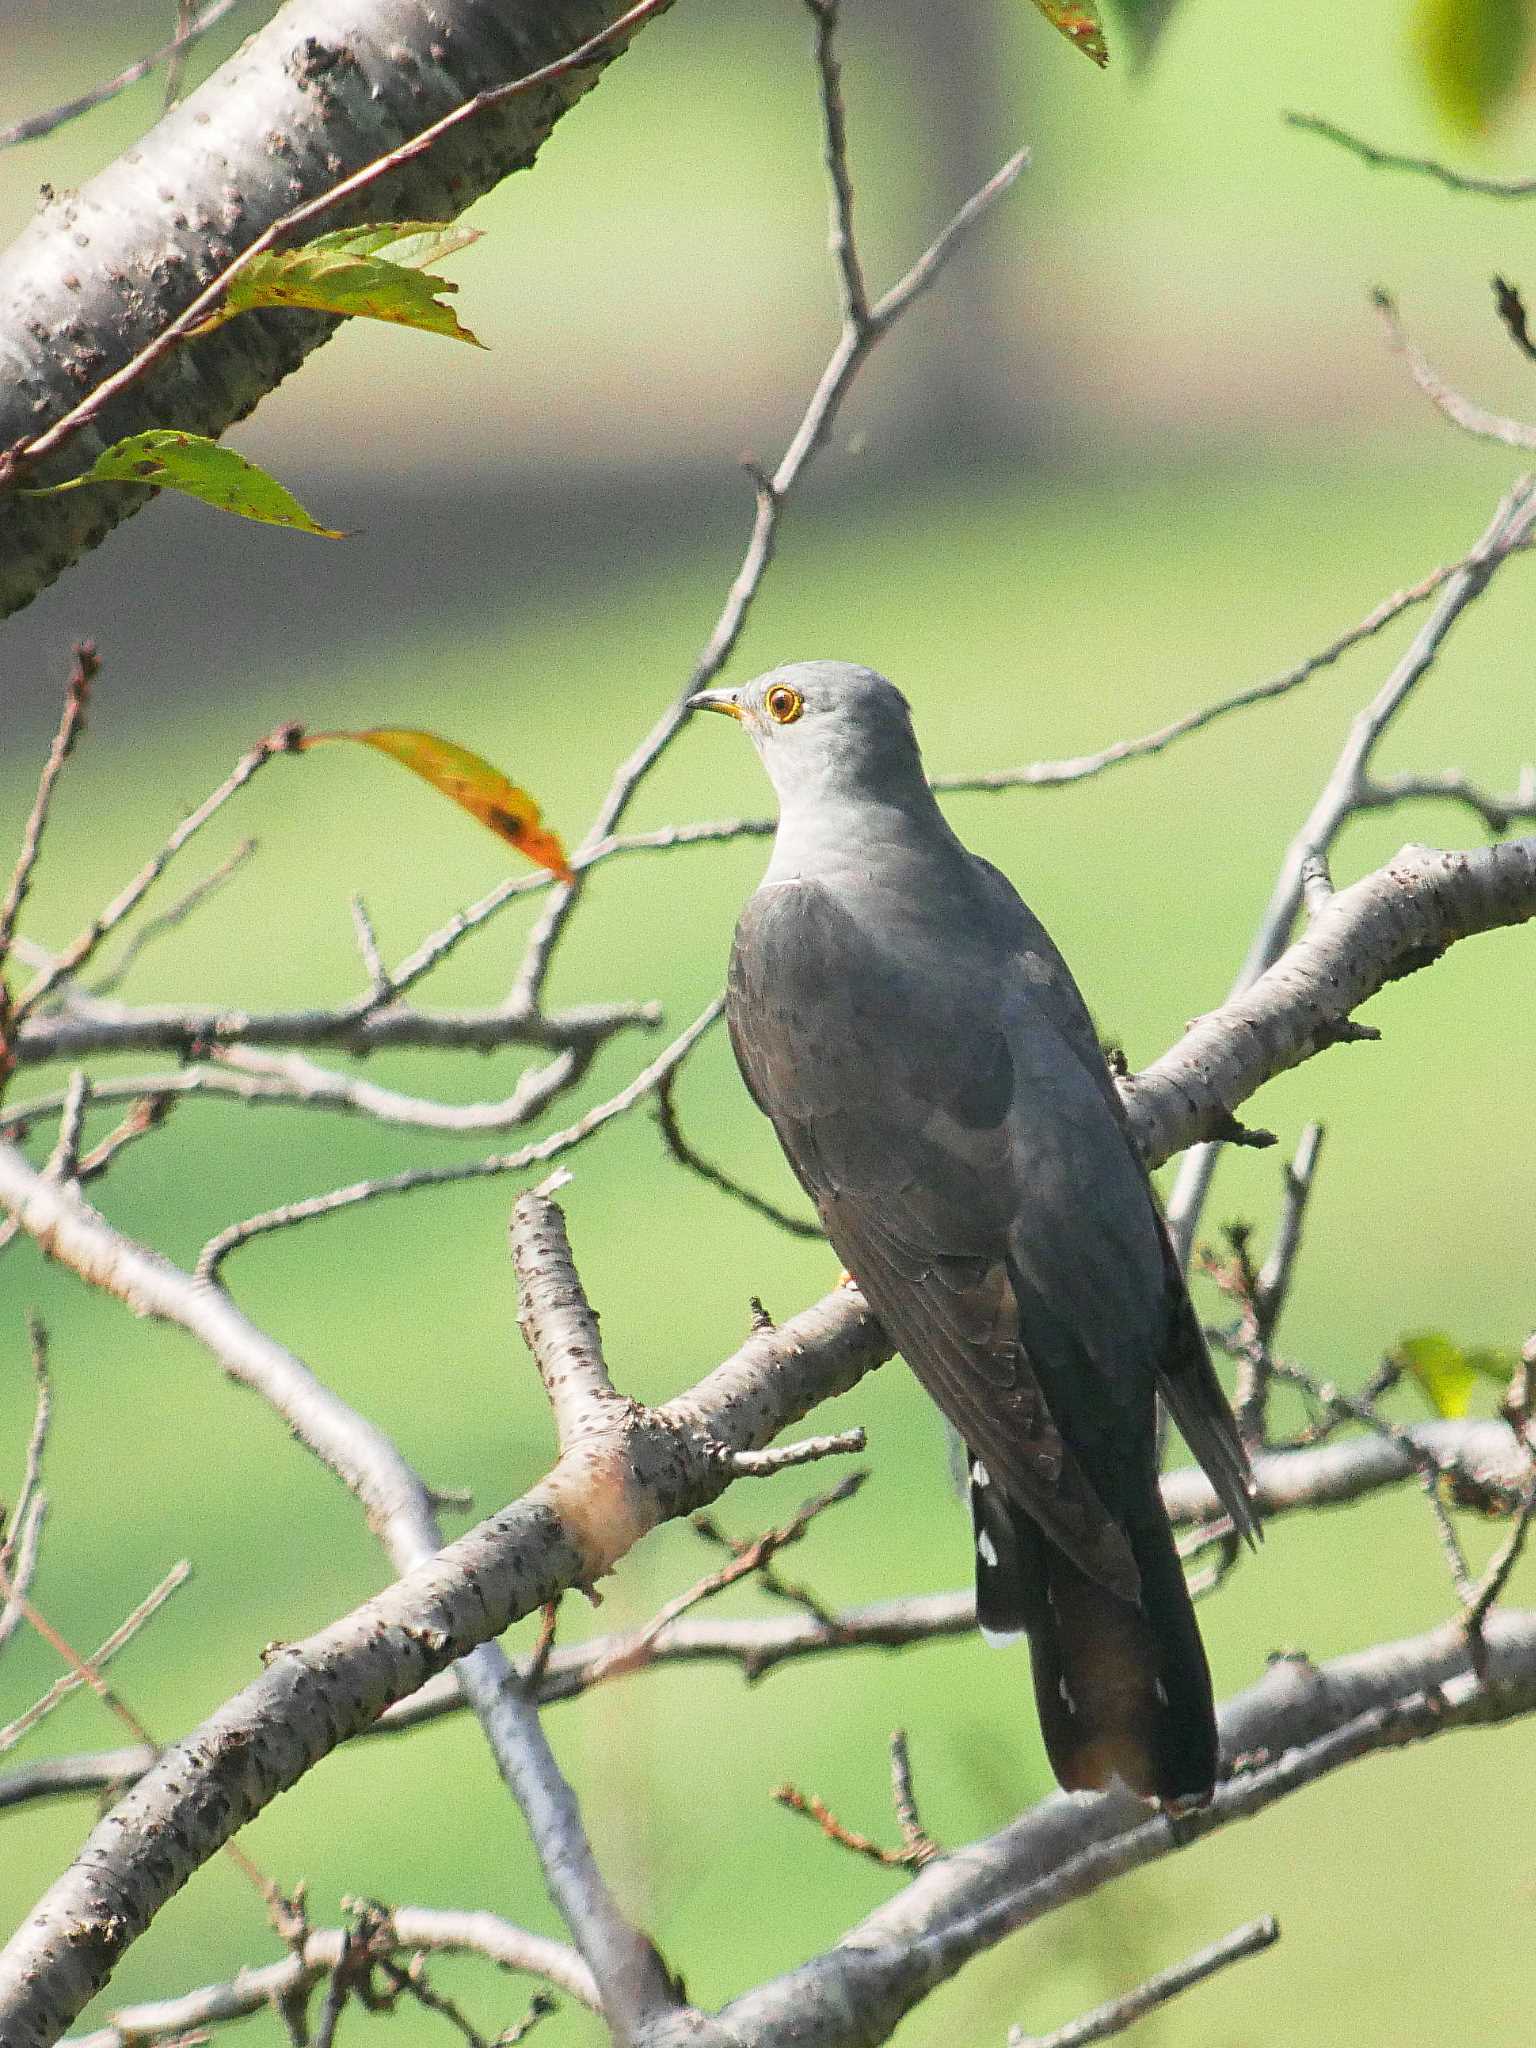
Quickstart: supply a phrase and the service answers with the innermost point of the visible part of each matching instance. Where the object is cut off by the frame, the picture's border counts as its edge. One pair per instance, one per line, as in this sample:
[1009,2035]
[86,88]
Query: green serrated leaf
[343,274]
[1143,22]
[165,459]
[1474,54]
[1448,1372]
[1078,21]
[413,243]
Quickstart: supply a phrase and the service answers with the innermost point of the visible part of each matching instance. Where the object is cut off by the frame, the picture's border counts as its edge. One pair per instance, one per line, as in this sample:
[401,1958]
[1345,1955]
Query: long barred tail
[1123,1689]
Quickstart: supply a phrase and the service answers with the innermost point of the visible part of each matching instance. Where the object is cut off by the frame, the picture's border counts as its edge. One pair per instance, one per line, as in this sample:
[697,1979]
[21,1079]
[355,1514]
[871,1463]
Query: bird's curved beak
[716,700]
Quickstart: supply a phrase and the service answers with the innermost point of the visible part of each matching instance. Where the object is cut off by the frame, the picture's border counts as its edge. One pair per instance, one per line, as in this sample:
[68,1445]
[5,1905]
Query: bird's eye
[784,705]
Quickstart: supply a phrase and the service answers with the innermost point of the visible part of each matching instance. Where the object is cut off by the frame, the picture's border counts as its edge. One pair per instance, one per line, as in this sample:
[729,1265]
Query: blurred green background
[1147,447]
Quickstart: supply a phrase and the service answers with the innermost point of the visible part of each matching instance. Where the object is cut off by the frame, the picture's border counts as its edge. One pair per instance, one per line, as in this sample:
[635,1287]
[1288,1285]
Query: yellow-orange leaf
[1078,21]
[471,782]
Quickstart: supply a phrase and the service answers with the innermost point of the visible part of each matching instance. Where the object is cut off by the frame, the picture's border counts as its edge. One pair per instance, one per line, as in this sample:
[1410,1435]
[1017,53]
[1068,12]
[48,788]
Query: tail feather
[1123,1688]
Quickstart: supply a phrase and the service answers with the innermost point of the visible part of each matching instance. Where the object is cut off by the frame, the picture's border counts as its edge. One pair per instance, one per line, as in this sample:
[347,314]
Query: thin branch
[632,1652]
[414,1929]
[76,696]
[81,948]
[1490,1587]
[1460,410]
[863,327]
[808,1451]
[368,946]
[155,928]
[189,29]
[83,1027]
[1081,767]
[23,1532]
[1116,2014]
[1274,1277]
[843,242]
[148,1114]
[87,1670]
[412,1179]
[239,1073]
[176,63]
[809,1807]
[1498,813]
[37,1443]
[686,1156]
[920,1845]
[1425,166]
[1507,533]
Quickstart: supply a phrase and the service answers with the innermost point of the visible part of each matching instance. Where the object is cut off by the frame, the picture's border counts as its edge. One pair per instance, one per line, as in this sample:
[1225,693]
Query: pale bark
[326,87]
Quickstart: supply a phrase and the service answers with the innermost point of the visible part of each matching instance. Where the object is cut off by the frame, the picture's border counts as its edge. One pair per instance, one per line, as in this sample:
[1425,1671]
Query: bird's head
[825,725]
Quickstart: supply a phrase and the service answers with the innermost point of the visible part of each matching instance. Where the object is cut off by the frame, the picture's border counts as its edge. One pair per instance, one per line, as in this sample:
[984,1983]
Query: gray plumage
[934,1077]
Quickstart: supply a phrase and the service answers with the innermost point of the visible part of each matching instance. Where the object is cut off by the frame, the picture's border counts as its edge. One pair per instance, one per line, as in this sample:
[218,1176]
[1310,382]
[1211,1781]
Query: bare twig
[685,1155]
[1274,1277]
[337,1991]
[83,946]
[147,1115]
[218,1248]
[1508,532]
[1081,767]
[1116,2014]
[238,1073]
[37,1442]
[1490,1586]
[811,1808]
[633,1651]
[368,946]
[1460,410]
[1262,1293]
[156,927]
[189,28]
[863,326]
[76,696]
[808,1451]
[87,1670]
[1498,813]
[420,1930]
[920,1845]
[176,63]
[1425,166]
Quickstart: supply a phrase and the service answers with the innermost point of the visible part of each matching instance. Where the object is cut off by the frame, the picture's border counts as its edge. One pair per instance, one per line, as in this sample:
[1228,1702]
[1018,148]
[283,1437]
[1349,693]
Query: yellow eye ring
[783,704]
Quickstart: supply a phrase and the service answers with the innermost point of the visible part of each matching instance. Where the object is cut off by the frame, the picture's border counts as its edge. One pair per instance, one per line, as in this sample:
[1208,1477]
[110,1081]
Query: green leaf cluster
[374,272]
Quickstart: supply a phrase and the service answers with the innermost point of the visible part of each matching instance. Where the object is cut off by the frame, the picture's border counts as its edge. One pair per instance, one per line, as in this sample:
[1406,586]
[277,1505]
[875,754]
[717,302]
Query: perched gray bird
[935,1080]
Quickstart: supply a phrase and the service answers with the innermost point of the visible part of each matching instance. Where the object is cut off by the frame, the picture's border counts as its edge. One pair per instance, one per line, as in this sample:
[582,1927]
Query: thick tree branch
[1321,1476]
[327,87]
[603,1494]
[1399,919]
[618,1481]
[1300,1722]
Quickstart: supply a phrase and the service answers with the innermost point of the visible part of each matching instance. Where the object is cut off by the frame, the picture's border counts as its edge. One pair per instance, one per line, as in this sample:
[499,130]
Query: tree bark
[325,88]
